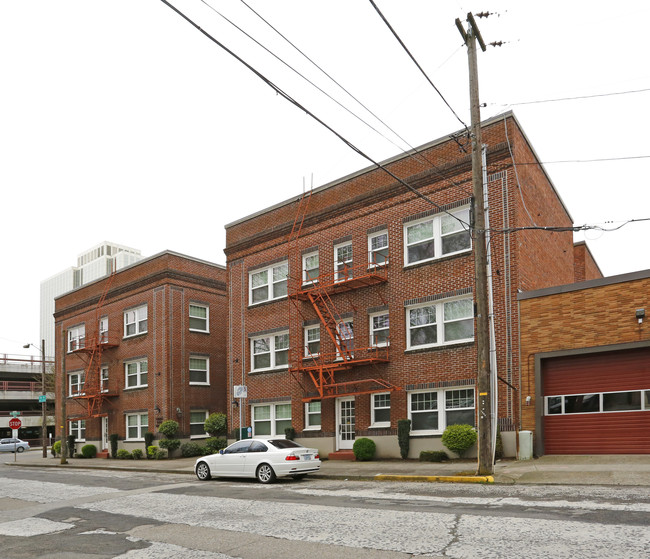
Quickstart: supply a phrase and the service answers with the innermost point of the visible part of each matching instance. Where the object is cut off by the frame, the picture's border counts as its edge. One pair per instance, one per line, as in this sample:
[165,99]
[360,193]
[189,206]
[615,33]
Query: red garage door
[597,403]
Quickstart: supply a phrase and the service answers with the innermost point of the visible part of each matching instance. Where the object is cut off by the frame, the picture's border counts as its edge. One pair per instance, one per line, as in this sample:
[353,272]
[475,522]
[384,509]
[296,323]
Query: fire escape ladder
[332,322]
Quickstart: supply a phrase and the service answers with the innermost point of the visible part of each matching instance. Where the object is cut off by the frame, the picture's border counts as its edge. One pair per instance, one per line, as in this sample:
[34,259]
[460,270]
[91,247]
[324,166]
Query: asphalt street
[57,513]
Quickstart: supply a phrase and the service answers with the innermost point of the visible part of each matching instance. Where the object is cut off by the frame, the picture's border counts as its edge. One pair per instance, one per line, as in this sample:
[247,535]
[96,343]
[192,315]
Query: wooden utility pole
[485,454]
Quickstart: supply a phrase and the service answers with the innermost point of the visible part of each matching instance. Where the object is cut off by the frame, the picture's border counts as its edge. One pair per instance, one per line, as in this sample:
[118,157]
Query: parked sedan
[13,445]
[261,459]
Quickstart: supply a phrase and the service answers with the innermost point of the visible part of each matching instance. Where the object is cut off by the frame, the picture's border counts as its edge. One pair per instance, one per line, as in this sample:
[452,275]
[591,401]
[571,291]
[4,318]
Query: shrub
[137,454]
[215,444]
[364,449]
[148,441]
[191,449]
[71,440]
[151,452]
[56,448]
[433,456]
[290,433]
[124,454]
[89,451]
[498,446]
[216,424]
[113,438]
[161,454]
[403,436]
[459,438]
[170,444]
[168,428]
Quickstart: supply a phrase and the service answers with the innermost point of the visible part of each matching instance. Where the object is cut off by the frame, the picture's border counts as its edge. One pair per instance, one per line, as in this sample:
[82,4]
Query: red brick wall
[166,283]
[584,264]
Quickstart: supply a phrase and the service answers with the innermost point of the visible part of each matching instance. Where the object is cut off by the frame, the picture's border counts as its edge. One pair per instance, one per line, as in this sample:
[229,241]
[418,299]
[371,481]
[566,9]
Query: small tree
[113,438]
[216,425]
[459,438]
[498,447]
[403,436]
[168,429]
[71,440]
[148,441]
[290,433]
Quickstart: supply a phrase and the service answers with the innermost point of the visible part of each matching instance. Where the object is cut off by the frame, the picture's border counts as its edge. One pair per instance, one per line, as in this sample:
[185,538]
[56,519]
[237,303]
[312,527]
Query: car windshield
[284,443]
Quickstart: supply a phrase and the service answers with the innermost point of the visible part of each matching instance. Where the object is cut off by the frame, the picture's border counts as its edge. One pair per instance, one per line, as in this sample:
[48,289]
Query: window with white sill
[270,351]
[268,284]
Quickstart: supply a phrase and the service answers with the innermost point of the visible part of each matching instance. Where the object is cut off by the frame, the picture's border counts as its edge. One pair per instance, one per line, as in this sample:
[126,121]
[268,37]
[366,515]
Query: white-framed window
[268,284]
[343,261]
[199,370]
[197,423]
[432,411]
[312,415]
[76,381]
[437,236]
[439,323]
[78,429]
[136,374]
[310,267]
[103,382]
[345,330]
[270,352]
[137,425]
[312,341]
[380,409]
[378,249]
[379,329]
[103,330]
[597,402]
[199,317]
[270,420]
[135,321]
[77,337]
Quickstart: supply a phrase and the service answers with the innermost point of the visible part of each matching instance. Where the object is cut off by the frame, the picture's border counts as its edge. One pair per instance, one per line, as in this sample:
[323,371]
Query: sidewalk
[554,470]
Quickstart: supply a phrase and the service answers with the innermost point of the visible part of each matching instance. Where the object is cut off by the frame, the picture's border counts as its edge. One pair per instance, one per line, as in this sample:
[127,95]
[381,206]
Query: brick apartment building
[586,366]
[141,346]
[352,308]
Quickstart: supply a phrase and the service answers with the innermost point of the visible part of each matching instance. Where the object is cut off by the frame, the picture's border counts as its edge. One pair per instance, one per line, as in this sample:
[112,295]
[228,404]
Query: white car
[259,458]
[13,445]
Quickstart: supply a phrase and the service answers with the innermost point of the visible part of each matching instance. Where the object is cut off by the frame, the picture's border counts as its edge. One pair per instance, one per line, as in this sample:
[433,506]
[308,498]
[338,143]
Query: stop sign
[15,423]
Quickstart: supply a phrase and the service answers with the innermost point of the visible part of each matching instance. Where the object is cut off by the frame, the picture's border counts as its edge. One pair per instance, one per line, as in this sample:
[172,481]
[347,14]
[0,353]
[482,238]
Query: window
[345,331]
[434,411]
[343,262]
[312,341]
[378,249]
[135,321]
[271,419]
[598,402]
[104,379]
[136,426]
[78,429]
[379,328]
[199,370]
[443,231]
[439,323]
[312,415]
[310,267]
[76,383]
[268,284]
[136,374]
[103,330]
[380,410]
[77,338]
[199,318]
[197,423]
[270,352]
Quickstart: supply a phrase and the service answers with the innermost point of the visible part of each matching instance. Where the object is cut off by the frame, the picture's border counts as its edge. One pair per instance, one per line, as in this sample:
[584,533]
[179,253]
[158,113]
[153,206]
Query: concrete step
[103,454]
[342,455]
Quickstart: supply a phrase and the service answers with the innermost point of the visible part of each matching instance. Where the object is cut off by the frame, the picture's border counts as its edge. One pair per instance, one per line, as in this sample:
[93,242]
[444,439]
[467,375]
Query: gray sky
[119,121]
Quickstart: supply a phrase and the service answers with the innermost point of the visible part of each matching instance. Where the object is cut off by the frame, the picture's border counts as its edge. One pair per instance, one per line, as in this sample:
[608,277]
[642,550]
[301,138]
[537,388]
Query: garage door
[597,403]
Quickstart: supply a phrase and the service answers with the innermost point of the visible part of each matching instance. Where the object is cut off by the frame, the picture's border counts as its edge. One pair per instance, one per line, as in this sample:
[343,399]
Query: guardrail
[19,385]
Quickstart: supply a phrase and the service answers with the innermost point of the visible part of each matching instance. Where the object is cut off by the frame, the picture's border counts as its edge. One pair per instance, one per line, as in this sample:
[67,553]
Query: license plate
[306,456]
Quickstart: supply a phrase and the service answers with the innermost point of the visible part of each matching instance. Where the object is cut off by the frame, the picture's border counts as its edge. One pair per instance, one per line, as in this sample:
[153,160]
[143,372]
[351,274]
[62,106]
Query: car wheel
[203,471]
[298,476]
[265,474]
[20,449]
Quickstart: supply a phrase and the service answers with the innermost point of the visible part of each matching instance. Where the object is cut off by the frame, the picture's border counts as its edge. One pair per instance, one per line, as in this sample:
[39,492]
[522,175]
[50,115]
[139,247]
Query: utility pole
[485,455]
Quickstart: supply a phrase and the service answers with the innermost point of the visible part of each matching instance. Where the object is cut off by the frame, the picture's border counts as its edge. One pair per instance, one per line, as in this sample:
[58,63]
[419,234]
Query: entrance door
[345,419]
[104,433]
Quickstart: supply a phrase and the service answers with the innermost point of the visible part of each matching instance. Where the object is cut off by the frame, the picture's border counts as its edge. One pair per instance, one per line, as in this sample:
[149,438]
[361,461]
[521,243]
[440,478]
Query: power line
[416,63]
[571,98]
[596,160]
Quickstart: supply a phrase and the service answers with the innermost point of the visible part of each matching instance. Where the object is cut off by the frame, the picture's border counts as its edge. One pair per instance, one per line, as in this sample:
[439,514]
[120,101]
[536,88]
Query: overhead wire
[579,97]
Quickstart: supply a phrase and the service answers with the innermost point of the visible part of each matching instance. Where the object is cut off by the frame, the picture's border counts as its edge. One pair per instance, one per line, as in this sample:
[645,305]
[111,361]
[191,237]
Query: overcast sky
[119,121]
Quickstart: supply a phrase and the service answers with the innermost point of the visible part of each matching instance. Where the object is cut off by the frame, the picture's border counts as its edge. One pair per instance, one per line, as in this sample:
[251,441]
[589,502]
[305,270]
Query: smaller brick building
[585,366]
[144,345]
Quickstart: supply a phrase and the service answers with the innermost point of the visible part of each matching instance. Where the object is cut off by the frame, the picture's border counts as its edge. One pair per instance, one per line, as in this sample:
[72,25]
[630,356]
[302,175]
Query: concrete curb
[447,479]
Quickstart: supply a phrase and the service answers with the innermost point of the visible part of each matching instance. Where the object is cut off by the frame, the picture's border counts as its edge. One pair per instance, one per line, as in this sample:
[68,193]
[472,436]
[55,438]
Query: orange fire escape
[323,368]
[90,348]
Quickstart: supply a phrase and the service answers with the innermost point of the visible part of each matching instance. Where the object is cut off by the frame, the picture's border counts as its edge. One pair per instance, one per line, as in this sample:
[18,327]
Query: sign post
[15,424]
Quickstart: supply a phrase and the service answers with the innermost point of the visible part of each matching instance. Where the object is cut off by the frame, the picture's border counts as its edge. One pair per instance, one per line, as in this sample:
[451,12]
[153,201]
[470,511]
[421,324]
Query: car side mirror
[221,451]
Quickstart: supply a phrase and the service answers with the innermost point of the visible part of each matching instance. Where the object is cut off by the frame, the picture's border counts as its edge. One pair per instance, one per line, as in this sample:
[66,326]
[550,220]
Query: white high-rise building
[95,263]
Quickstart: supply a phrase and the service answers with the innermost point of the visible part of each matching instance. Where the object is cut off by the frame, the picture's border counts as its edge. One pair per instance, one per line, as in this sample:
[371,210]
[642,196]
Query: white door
[345,419]
[104,433]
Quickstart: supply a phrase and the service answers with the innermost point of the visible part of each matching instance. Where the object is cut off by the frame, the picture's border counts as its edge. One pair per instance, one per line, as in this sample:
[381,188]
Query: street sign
[240,391]
[15,423]
[42,398]
[14,414]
